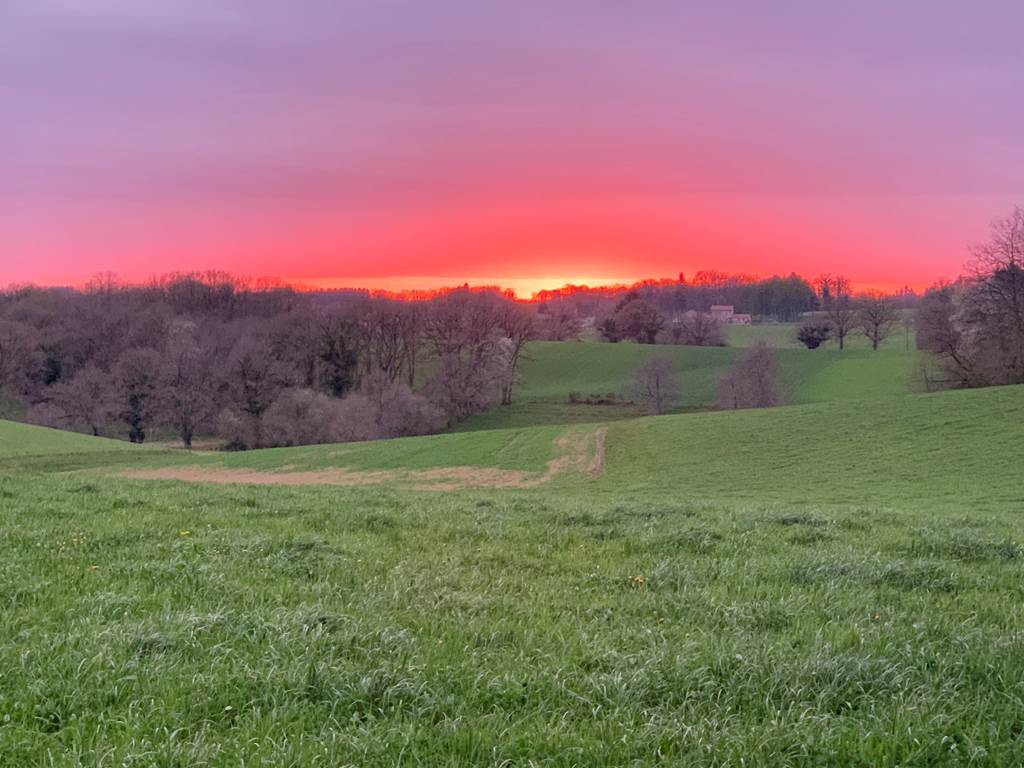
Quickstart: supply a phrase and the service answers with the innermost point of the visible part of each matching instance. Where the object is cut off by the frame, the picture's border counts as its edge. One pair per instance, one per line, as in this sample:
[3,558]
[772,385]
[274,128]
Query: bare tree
[655,384]
[85,402]
[754,381]
[940,334]
[878,317]
[383,324]
[187,401]
[993,304]
[411,329]
[462,386]
[463,331]
[136,379]
[294,340]
[696,329]
[834,293]
[520,327]
[558,321]
[975,328]
[18,354]
[338,352]
[252,378]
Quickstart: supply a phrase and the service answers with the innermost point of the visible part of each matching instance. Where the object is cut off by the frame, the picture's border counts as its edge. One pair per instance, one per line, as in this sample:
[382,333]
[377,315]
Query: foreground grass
[817,585]
[175,625]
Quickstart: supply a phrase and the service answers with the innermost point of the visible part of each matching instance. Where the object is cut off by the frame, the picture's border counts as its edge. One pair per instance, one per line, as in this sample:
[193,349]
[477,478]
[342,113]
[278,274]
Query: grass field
[826,584]
[23,440]
[554,369]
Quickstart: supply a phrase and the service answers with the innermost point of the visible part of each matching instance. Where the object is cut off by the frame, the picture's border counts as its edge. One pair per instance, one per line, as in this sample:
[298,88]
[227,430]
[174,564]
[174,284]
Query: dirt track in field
[579,453]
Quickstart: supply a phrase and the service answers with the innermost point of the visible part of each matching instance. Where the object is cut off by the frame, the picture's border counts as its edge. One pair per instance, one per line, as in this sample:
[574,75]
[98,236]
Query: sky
[415,143]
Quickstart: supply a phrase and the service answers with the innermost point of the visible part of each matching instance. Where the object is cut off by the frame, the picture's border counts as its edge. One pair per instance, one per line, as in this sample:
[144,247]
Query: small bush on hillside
[813,333]
[380,409]
[239,430]
[397,410]
[301,417]
[611,398]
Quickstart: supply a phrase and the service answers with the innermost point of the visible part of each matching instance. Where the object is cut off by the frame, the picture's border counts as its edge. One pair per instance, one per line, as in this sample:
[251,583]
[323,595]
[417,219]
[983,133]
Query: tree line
[782,299]
[832,311]
[842,313]
[255,364]
[260,364]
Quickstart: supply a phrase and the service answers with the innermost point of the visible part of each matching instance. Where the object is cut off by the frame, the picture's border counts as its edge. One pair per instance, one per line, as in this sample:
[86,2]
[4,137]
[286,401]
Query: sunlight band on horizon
[524,288]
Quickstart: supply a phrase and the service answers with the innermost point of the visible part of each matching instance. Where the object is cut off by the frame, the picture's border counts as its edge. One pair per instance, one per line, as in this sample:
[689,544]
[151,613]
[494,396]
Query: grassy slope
[962,450]
[554,369]
[526,449]
[25,440]
[760,588]
[954,449]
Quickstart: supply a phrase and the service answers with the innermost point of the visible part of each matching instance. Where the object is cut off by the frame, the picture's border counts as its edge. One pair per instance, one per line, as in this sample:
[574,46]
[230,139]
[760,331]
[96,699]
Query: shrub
[300,417]
[238,430]
[813,333]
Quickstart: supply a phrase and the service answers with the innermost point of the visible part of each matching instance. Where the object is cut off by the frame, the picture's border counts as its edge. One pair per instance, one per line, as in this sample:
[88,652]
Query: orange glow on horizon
[529,288]
[522,287]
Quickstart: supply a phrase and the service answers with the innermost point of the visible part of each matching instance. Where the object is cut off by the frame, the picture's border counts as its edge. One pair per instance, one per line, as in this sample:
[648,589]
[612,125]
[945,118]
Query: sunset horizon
[523,288]
[511,383]
[376,143]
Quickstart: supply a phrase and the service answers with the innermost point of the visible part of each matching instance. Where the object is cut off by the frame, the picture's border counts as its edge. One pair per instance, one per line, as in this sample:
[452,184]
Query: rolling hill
[820,584]
[553,370]
[946,449]
[25,440]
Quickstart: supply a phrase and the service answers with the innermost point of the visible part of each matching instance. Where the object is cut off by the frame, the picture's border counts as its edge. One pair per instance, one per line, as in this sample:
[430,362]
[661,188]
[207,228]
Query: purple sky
[379,141]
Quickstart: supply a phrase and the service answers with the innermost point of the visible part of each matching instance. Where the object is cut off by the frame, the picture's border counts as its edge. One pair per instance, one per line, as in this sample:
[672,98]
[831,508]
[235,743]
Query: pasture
[553,370]
[824,584]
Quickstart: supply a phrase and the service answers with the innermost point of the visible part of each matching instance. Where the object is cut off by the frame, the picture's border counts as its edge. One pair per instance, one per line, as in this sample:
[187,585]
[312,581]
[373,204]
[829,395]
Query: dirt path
[578,453]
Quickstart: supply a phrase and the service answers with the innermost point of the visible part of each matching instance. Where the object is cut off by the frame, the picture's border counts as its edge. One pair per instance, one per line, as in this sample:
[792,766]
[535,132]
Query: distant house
[722,312]
[726,314]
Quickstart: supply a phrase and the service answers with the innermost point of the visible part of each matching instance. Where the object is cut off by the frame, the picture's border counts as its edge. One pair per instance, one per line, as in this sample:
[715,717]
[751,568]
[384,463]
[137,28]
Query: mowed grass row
[553,370]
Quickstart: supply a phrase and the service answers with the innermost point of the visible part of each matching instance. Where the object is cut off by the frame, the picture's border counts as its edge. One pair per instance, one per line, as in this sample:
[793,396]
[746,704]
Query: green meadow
[22,440]
[831,583]
[552,371]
